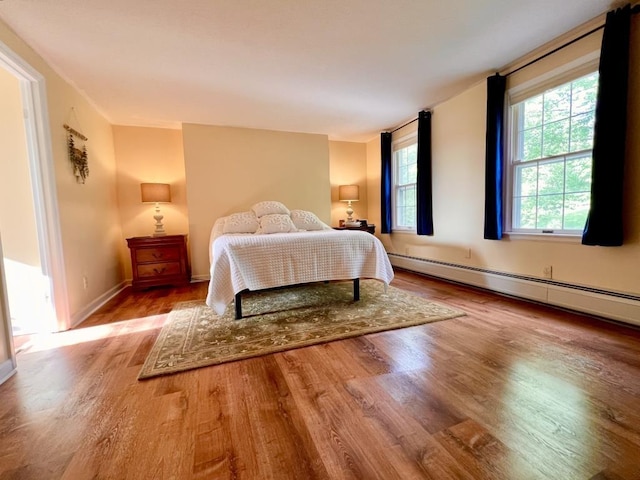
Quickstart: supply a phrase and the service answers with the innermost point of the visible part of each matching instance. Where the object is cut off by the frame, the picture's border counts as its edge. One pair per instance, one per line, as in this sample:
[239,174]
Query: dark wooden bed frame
[238,297]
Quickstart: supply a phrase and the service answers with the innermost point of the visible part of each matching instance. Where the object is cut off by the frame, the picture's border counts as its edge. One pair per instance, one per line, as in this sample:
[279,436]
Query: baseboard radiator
[603,303]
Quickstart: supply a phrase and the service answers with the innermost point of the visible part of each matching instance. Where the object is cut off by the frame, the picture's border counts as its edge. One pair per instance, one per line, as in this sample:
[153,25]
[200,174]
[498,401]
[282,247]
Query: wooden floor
[509,391]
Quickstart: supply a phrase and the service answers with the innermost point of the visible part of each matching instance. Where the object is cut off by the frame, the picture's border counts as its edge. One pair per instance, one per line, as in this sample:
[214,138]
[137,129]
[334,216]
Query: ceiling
[345,68]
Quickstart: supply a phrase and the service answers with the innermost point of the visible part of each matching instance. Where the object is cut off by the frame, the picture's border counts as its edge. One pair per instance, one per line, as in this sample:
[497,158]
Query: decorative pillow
[269,207]
[276,223]
[218,227]
[243,222]
[305,220]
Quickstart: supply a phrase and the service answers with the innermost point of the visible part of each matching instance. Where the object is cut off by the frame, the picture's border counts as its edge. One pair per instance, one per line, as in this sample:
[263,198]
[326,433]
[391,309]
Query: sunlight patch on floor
[48,341]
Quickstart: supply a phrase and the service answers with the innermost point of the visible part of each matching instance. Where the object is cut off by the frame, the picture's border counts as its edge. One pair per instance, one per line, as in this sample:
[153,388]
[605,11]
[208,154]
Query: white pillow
[305,220]
[243,222]
[269,207]
[218,227]
[276,223]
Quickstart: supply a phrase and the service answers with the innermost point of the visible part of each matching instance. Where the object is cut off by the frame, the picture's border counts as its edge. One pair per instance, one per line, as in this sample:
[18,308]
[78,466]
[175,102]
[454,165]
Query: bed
[260,249]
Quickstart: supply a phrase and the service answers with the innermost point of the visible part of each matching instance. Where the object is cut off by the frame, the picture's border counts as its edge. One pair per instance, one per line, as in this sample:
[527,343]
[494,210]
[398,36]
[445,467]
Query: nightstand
[157,261]
[368,228]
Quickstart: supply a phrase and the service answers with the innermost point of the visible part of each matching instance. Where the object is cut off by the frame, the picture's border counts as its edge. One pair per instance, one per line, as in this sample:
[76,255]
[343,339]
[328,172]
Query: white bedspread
[256,262]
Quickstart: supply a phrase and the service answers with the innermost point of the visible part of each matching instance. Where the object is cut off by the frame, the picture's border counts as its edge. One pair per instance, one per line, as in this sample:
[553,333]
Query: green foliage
[552,180]
[406,171]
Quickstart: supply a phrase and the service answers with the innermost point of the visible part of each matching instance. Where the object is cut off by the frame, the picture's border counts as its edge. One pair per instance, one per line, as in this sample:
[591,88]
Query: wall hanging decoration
[77,156]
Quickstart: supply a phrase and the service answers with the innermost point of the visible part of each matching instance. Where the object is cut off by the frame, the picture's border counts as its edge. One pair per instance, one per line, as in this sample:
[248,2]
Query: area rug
[282,319]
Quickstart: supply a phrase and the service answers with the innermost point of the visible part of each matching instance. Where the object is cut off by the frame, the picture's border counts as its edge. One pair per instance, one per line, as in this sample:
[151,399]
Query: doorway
[26,290]
[34,266]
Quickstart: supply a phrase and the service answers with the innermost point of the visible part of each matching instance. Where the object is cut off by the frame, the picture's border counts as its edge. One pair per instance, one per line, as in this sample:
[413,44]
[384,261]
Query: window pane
[412,170]
[551,184]
[524,212]
[402,174]
[551,178]
[583,98]
[549,212]
[555,139]
[410,217]
[582,131]
[410,199]
[578,176]
[557,103]
[405,206]
[405,171]
[526,180]
[406,217]
[531,144]
[576,208]
[532,112]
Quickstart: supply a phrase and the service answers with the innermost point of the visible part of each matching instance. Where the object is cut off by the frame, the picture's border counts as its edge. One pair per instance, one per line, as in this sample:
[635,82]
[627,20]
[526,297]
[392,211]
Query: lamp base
[349,213]
[159,231]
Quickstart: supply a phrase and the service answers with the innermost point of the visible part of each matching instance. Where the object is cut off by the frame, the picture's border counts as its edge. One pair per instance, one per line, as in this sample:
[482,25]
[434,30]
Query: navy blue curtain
[496,89]
[385,182]
[423,181]
[604,224]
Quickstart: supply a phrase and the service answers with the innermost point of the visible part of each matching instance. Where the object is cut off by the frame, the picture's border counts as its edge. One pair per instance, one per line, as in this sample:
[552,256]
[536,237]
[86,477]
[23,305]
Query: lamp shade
[155,192]
[348,193]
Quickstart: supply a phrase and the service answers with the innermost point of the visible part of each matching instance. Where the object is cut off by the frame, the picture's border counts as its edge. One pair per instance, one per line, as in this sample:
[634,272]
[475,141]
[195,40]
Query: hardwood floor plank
[512,390]
[406,431]
[484,455]
[338,426]
[280,435]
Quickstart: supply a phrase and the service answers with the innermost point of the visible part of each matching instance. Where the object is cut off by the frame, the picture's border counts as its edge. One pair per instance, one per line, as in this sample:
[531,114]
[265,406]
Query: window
[550,167]
[405,170]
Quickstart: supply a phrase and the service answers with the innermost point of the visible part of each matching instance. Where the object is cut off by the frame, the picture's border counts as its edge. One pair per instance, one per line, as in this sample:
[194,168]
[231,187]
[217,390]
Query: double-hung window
[405,170]
[549,159]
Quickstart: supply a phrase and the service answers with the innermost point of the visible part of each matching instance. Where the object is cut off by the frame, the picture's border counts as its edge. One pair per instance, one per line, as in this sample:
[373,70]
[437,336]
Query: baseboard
[613,305]
[200,278]
[80,316]
[7,369]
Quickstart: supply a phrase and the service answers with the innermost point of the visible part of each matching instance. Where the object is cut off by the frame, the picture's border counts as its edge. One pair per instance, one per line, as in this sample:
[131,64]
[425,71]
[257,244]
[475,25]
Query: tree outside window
[405,172]
[551,168]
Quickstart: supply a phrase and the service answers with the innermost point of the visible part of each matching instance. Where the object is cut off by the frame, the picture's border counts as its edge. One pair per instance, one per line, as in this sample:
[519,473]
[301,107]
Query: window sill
[404,231]
[545,237]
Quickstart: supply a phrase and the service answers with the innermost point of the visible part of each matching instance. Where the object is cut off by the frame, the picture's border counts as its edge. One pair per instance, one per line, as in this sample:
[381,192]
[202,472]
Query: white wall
[458,197]
[89,220]
[229,169]
[149,155]
[348,166]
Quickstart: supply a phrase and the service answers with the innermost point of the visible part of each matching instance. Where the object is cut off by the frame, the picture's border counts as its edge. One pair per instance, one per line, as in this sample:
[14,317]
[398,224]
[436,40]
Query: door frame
[43,184]
[9,366]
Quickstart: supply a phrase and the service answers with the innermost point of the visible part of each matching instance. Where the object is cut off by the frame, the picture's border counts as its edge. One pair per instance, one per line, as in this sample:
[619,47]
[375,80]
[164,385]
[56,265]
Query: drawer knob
[157,255]
[159,271]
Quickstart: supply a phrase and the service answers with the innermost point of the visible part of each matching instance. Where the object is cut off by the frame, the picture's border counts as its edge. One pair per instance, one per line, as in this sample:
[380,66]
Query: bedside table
[157,261]
[369,228]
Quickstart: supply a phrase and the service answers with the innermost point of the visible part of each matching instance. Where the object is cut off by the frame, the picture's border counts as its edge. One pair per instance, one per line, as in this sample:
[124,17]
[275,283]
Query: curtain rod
[564,45]
[403,125]
[634,9]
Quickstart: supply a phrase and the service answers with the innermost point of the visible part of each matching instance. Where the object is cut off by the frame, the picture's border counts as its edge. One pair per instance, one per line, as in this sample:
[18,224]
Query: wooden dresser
[159,261]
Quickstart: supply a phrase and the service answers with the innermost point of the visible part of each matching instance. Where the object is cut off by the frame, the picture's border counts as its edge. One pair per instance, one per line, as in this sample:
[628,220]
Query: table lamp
[156,193]
[349,193]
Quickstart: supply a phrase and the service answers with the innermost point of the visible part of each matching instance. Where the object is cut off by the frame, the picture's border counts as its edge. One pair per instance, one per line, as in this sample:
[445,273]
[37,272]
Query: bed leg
[356,289]
[238,302]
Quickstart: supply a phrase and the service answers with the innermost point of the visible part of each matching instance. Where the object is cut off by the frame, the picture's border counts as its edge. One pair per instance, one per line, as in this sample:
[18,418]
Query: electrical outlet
[547,271]
[85,282]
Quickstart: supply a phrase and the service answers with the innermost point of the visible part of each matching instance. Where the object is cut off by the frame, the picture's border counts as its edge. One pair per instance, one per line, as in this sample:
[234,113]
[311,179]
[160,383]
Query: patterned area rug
[282,319]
